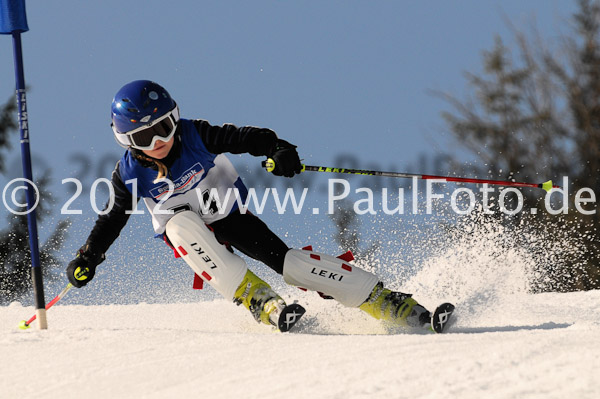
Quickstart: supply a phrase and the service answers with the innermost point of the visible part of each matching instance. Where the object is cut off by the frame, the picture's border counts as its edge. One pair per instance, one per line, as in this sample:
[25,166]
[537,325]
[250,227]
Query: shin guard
[211,260]
[348,284]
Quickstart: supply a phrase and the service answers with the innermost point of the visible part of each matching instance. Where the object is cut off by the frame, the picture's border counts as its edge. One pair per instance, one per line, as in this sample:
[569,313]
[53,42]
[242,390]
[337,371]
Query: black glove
[82,269]
[287,161]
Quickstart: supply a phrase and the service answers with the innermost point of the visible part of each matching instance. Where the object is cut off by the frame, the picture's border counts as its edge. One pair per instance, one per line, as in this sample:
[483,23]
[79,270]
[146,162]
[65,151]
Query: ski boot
[397,308]
[265,305]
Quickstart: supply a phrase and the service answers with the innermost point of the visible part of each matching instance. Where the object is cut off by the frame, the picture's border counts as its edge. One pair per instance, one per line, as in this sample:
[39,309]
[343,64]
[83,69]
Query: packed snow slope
[522,346]
[507,342]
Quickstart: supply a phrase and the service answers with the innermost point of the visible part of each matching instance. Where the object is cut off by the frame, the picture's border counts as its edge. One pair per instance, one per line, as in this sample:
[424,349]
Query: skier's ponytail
[148,162]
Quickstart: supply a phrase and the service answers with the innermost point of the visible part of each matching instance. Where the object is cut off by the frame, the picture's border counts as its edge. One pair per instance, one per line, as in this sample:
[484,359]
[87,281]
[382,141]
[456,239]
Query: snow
[528,346]
[507,342]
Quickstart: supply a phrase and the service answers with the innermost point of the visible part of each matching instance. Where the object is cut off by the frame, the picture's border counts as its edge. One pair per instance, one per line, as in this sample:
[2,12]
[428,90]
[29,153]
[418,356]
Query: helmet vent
[137,103]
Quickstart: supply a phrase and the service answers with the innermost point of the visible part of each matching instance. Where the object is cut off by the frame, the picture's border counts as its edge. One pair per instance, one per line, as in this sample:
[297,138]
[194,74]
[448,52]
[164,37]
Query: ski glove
[82,269]
[287,161]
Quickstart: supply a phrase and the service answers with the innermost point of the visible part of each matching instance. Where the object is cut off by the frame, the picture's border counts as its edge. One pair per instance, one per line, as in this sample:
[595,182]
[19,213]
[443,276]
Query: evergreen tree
[348,226]
[15,255]
[539,115]
[8,124]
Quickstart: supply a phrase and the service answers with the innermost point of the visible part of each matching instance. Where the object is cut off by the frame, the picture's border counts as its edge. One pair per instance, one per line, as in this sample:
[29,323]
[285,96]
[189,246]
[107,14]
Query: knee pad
[348,284]
[198,246]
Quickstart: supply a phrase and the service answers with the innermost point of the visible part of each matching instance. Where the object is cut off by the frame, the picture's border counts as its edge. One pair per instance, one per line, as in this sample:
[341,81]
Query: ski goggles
[144,137]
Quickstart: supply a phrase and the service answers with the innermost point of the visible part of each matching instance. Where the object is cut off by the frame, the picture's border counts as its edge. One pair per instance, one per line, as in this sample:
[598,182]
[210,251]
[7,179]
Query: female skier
[177,166]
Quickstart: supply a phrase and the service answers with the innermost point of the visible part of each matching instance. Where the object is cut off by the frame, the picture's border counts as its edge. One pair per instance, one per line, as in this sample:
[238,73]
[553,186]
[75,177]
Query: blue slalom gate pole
[13,21]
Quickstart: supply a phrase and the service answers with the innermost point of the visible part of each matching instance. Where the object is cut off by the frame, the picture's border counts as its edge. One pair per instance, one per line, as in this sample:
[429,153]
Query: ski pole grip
[269,165]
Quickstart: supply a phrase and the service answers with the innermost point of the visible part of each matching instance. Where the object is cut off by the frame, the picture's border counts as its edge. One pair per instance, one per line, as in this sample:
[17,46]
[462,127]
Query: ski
[440,319]
[289,316]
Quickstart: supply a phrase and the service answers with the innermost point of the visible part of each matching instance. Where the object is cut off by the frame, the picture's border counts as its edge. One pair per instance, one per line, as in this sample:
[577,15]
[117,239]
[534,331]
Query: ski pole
[23,325]
[269,164]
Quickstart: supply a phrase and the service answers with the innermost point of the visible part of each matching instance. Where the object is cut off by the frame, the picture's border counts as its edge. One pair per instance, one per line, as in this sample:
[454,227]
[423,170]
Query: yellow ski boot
[395,307]
[264,303]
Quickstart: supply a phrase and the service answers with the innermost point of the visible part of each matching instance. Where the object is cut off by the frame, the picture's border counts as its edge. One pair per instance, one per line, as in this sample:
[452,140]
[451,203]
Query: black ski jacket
[217,139]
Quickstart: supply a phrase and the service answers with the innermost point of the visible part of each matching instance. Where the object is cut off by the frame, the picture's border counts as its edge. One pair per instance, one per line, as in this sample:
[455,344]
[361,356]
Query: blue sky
[333,77]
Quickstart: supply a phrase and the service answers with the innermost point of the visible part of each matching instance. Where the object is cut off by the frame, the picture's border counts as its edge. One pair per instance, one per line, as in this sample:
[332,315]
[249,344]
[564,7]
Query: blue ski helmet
[142,112]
